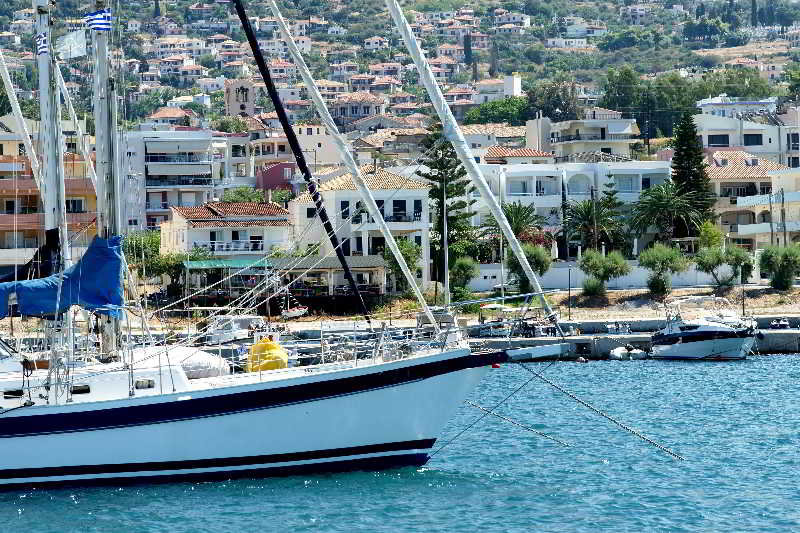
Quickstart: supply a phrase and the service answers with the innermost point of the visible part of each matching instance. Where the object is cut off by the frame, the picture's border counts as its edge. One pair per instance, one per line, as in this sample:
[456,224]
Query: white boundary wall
[558,277]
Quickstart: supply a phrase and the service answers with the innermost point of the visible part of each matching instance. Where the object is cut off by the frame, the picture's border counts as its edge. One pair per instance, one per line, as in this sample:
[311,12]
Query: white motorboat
[718,335]
[626,353]
[223,329]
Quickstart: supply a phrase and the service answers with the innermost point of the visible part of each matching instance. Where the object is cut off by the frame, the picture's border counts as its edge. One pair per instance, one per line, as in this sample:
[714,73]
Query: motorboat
[223,329]
[626,353]
[780,323]
[716,335]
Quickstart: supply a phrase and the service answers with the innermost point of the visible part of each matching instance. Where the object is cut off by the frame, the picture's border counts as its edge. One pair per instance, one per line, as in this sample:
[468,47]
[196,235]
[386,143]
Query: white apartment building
[227,229]
[777,140]
[598,130]
[637,14]
[517,19]
[403,200]
[482,137]
[375,43]
[727,106]
[583,28]
[561,42]
[767,226]
[497,88]
[166,168]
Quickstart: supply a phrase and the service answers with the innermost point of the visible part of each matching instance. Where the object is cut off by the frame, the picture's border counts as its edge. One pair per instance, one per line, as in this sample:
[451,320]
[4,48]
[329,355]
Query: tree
[556,100]
[282,196]
[230,124]
[602,269]
[411,254]
[468,58]
[689,167]
[709,236]
[586,217]
[524,221]
[539,259]
[665,206]
[782,265]
[662,261]
[462,271]
[715,259]
[493,66]
[622,88]
[754,13]
[446,175]
[243,194]
[141,248]
[157,9]
[512,110]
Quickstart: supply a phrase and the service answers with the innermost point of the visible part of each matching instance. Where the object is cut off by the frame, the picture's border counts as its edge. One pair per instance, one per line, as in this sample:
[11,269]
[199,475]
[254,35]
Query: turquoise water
[736,424]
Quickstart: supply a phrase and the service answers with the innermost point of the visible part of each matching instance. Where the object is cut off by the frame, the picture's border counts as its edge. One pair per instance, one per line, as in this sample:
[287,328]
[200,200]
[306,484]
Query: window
[793,141]
[417,209]
[11,394]
[319,145]
[753,139]
[719,140]
[75,205]
[309,131]
[794,162]
[346,246]
[605,150]
[311,212]
[399,208]
[345,209]
[418,240]
[133,222]
[645,183]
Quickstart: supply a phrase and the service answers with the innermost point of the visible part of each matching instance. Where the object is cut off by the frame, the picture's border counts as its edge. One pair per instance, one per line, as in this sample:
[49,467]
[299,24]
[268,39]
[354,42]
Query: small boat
[231,328]
[294,312]
[626,353]
[721,335]
[780,323]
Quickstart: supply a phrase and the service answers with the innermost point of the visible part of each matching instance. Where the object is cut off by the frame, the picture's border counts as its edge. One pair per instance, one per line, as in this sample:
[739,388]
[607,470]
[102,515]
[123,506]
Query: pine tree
[446,174]
[689,166]
[157,9]
[754,13]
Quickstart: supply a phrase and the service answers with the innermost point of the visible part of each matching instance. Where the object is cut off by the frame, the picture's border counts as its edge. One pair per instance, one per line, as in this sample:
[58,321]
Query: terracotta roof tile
[503,151]
[739,164]
[380,180]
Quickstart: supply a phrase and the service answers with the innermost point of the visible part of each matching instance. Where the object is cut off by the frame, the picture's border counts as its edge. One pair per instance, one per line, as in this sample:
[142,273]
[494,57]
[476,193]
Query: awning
[239,263]
[623,127]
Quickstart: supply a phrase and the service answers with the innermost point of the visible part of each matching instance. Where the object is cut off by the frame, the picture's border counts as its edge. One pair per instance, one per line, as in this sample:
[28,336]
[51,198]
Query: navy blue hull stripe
[225,404]
[258,461]
[697,336]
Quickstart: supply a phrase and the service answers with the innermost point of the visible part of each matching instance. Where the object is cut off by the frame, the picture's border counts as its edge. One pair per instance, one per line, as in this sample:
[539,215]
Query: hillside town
[208,168]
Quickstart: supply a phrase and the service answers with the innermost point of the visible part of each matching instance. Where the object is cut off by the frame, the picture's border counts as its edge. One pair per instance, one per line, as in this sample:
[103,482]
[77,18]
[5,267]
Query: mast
[297,151]
[349,162]
[453,133]
[108,209]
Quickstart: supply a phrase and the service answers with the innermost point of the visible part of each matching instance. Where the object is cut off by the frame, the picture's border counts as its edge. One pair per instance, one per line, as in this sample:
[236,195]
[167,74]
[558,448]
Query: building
[403,201]
[516,19]
[482,137]
[773,137]
[598,130]
[349,107]
[768,226]
[227,229]
[636,15]
[582,28]
[561,42]
[376,43]
[727,106]
[166,168]
[736,175]
[493,89]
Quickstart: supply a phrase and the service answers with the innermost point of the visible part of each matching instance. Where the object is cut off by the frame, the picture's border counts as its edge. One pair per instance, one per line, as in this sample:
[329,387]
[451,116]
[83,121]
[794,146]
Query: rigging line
[297,151]
[603,414]
[519,424]
[486,413]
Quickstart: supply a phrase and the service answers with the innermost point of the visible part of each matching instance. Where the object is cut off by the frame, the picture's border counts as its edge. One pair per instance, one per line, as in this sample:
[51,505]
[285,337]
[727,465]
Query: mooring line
[604,415]
[523,426]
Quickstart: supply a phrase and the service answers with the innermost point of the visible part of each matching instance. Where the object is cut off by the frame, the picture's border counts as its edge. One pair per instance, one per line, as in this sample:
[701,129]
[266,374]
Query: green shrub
[463,270]
[781,265]
[539,259]
[712,260]
[709,235]
[593,287]
[662,261]
[461,294]
[604,268]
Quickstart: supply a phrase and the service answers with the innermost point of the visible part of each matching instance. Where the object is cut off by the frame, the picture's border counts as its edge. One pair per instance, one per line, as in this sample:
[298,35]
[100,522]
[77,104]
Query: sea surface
[736,424]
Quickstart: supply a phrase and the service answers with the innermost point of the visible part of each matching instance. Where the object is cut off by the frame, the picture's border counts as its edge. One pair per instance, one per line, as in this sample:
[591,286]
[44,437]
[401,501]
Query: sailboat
[144,418]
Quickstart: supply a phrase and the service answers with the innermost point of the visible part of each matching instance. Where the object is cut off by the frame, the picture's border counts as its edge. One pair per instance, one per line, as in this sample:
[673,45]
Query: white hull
[382,415]
[706,350]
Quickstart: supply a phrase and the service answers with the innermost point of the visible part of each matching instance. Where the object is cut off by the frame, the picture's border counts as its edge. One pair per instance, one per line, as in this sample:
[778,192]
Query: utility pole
[108,207]
[783,216]
[771,222]
[594,217]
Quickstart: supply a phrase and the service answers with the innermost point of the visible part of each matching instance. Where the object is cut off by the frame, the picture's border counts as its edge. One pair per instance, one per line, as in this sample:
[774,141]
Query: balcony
[177,158]
[180,181]
[34,220]
[597,137]
[231,246]
[156,205]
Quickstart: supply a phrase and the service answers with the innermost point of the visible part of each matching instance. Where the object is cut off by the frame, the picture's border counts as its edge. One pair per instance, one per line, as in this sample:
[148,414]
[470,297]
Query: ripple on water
[735,424]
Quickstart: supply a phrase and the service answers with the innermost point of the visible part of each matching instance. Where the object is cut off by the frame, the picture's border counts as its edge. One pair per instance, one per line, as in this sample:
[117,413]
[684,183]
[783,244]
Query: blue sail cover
[94,283]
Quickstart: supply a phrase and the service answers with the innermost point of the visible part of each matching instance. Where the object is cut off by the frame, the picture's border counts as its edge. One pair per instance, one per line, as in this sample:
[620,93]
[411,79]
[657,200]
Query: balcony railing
[230,246]
[174,181]
[598,137]
[156,205]
[177,158]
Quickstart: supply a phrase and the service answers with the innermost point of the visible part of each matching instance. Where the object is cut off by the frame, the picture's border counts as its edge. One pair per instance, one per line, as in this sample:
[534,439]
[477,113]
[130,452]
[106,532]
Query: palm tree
[584,216]
[664,206]
[523,219]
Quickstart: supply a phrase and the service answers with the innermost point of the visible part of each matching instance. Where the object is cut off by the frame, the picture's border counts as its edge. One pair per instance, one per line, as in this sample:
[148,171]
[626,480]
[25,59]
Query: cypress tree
[754,13]
[157,9]
[689,166]
[493,67]
[468,59]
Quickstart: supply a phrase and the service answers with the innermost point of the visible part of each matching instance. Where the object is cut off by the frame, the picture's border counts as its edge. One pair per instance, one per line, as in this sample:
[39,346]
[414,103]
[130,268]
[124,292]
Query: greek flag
[41,44]
[99,20]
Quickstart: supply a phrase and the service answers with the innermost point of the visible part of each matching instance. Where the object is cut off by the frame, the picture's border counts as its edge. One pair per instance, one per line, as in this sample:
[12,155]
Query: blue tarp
[94,283]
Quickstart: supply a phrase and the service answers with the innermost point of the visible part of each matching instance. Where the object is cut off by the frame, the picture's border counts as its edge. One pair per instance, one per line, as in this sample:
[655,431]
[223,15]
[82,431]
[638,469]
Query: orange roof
[382,179]
[732,164]
[504,151]
[170,112]
[234,214]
